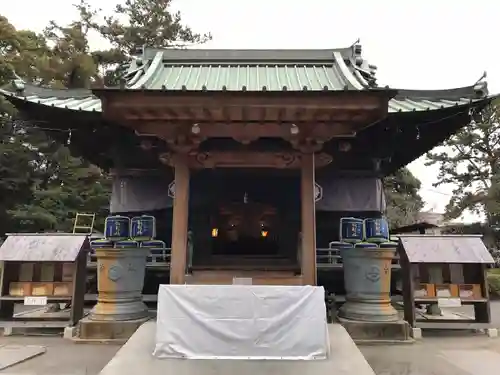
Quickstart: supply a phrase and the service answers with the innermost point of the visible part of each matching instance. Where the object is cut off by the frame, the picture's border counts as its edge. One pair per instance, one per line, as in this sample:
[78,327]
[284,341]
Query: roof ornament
[356,51]
[485,74]
[18,83]
[356,43]
[481,86]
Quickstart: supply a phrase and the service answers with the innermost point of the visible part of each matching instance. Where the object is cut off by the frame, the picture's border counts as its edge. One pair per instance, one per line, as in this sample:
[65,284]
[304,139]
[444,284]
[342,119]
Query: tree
[73,65]
[470,161]
[134,24]
[402,198]
[41,185]
[68,185]
[21,52]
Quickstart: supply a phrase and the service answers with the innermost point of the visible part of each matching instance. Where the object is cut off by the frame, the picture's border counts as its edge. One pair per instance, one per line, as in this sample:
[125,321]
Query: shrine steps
[135,357]
[218,277]
[246,263]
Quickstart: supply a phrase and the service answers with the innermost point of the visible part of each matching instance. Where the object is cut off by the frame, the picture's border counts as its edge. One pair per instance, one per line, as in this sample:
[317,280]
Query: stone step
[258,277]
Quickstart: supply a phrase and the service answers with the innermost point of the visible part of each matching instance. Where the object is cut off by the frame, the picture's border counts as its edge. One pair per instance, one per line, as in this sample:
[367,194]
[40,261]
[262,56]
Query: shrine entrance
[241,218]
[251,236]
[244,229]
[259,129]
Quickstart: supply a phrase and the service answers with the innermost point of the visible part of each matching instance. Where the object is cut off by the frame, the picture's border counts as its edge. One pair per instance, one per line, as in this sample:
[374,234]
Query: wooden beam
[244,130]
[315,100]
[246,159]
[180,221]
[223,113]
[308,220]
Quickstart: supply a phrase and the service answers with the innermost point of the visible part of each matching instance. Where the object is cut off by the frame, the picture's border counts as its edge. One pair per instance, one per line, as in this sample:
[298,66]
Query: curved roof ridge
[149,72]
[347,73]
[213,55]
[29,89]
[476,91]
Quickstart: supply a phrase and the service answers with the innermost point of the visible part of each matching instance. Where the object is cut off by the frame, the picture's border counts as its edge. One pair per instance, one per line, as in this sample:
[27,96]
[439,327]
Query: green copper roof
[405,101]
[252,71]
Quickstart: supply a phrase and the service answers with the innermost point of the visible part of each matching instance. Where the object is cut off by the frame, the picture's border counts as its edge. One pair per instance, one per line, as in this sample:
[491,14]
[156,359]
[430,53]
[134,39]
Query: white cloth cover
[241,322]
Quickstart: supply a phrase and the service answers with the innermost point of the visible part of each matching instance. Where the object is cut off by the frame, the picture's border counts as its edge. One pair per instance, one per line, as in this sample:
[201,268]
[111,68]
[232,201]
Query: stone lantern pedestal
[120,279]
[119,310]
[368,314]
[367,278]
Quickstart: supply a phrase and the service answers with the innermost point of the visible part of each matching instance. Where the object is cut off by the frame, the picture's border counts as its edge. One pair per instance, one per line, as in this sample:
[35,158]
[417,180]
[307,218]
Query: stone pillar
[120,279]
[180,222]
[367,277]
[308,220]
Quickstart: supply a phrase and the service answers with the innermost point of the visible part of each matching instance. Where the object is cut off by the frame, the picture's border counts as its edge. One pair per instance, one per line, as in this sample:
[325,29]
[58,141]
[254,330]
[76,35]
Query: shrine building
[248,158]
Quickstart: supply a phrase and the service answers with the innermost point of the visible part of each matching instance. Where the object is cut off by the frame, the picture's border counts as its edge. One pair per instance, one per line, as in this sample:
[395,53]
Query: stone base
[377,332]
[379,311]
[107,331]
[416,333]
[70,332]
[135,358]
[492,332]
[119,311]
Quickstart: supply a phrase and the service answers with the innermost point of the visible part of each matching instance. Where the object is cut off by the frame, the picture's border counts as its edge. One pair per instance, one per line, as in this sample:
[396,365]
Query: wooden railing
[160,258]
[157,258]
[327,258]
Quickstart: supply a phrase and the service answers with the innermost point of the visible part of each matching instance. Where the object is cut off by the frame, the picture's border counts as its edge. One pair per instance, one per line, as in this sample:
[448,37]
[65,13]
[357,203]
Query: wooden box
[26,271]
[424,291]
[47,272]
[63,289]
[470,291]
[67,271]
[42,289]
[447,291]
[20,289]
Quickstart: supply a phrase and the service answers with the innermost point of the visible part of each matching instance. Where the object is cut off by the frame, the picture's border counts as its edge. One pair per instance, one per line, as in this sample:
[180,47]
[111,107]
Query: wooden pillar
[308,220]
[180,222]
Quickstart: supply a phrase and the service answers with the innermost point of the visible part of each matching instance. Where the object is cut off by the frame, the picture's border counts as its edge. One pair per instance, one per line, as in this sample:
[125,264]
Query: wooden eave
[240,114]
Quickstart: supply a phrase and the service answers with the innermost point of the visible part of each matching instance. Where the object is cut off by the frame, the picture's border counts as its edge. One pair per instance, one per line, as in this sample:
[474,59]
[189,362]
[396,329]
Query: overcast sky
[424,44]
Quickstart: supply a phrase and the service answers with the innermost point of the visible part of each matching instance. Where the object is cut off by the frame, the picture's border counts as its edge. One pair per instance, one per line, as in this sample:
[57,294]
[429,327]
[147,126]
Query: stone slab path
[11,355]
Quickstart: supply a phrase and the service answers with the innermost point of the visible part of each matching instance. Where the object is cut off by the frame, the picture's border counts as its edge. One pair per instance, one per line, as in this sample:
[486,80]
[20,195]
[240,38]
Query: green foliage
[137,23]
[72,65]
[16,172]
[402,197]
[18,50]
[471,162]
[41,185]
[66,186]
[493,279]
[134,24]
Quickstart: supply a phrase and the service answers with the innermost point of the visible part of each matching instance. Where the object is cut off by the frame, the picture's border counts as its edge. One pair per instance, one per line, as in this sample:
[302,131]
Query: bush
[494,282]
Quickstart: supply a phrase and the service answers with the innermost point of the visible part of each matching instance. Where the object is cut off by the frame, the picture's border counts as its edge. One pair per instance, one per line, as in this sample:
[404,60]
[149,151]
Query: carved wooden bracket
[219,159]
[308,145]
[184,144]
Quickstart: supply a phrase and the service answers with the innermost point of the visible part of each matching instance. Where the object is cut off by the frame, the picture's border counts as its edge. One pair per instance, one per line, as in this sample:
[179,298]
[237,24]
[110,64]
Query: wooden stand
[42,269]
[447,271]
